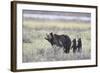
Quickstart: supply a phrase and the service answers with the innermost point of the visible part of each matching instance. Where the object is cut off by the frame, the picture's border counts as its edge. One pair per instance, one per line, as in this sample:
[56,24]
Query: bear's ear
[51,34]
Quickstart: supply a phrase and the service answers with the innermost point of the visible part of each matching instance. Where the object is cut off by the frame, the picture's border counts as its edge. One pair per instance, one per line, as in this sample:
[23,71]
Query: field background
[37,49]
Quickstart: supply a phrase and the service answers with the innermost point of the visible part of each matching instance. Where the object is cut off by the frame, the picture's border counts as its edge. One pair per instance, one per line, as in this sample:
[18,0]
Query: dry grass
[38,49]
[55,25]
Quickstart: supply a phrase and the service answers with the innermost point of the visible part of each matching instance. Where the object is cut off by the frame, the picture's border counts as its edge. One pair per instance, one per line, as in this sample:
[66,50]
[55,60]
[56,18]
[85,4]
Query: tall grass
[56,25]
[37,49]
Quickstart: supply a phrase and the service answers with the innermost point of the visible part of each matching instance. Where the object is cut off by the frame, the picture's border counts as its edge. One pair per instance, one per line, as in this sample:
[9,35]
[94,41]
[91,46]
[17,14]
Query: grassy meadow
[37,49]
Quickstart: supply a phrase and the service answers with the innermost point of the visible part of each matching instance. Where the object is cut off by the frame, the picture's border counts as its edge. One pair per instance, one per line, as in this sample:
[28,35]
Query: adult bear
[60,40]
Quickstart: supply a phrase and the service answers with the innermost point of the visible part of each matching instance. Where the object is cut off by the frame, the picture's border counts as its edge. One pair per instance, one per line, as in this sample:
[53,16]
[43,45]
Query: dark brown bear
[60,41]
